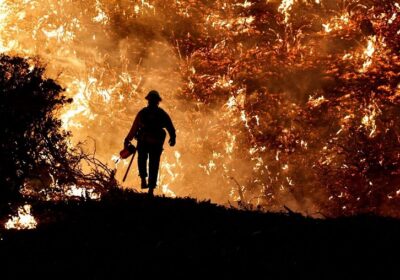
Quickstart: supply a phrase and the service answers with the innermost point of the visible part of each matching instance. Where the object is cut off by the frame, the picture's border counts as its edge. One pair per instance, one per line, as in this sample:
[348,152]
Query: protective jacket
[148,127]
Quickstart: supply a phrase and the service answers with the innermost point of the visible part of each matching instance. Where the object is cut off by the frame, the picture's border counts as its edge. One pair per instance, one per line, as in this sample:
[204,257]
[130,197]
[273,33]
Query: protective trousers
[152,153]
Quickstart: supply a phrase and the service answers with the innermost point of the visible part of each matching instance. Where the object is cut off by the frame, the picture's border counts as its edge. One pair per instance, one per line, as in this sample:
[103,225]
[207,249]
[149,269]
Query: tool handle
[129,167]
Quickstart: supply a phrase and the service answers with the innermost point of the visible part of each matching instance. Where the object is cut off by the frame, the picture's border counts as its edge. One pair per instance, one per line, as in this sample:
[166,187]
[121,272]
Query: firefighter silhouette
[148,129]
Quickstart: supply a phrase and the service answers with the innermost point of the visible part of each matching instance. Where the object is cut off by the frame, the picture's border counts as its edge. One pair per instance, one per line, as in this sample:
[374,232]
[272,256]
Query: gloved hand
[172,142]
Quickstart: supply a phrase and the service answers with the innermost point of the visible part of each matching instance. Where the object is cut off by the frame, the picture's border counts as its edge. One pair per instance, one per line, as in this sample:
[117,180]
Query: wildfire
[23,220]
[271,93]
[315,102]
[369,119]
[337,23]
[51,190]
[285,8]
[82,192]
[368,53]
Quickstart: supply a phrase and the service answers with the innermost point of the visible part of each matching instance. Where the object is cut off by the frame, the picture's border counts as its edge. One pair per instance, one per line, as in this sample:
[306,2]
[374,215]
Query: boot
[143,184]
[151,192]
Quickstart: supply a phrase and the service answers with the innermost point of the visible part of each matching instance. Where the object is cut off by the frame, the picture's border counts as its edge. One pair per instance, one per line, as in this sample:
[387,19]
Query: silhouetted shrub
[33,143]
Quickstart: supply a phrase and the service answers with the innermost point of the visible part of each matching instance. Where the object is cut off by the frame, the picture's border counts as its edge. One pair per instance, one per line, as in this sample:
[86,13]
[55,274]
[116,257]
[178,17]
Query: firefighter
[148,130]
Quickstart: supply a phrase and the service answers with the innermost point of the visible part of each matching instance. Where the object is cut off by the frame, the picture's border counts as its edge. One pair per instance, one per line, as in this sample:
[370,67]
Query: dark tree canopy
[32,139]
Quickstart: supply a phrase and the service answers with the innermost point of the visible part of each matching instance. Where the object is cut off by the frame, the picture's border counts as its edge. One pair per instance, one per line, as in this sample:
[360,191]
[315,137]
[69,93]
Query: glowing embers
[245,4]
[364,58]
[82,192]
[238,25]
[5,11]
[167,191]
[52,191]
[369,53]
[80,107]
[223,82]
[337,23]
[23,219]
[168,174]
[101,16]
[285,8]
[84,94]
[369,119]
[316,101]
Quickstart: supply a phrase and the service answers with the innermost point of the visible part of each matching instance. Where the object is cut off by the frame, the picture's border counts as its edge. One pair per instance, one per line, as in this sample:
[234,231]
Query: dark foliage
[32,145]
[127,235]
[34,148]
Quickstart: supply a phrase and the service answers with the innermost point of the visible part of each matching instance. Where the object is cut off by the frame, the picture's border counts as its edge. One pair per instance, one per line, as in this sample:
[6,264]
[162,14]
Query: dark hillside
[130,234]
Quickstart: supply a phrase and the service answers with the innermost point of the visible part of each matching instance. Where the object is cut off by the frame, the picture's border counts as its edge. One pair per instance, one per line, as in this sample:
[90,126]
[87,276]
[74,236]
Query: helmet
[153,96]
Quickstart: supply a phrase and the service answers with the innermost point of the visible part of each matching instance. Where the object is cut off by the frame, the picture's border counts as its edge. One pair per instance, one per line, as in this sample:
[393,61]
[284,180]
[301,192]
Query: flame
[101,16]
[316,102]
[285,8]
[337,23]
[369,53]
[24,219]
[53,191]
[240,86]
[82,192]
[369,119]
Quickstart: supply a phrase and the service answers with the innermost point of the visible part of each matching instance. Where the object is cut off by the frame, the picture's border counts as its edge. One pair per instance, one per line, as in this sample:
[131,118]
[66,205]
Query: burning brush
[297,100]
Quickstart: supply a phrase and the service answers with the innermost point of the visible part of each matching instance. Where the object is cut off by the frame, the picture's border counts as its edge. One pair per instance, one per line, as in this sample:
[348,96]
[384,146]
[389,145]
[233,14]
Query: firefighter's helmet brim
[153,96]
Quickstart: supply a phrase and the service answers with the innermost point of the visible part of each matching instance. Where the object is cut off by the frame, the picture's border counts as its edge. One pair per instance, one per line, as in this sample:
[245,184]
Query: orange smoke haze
[239,79]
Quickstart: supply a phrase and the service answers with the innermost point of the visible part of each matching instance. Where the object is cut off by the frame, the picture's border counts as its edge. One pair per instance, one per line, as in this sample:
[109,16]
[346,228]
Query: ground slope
[128,234]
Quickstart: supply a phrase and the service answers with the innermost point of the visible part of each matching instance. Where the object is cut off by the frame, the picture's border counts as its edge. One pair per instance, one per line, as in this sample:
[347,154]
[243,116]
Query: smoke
[259,91]
[108,55]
